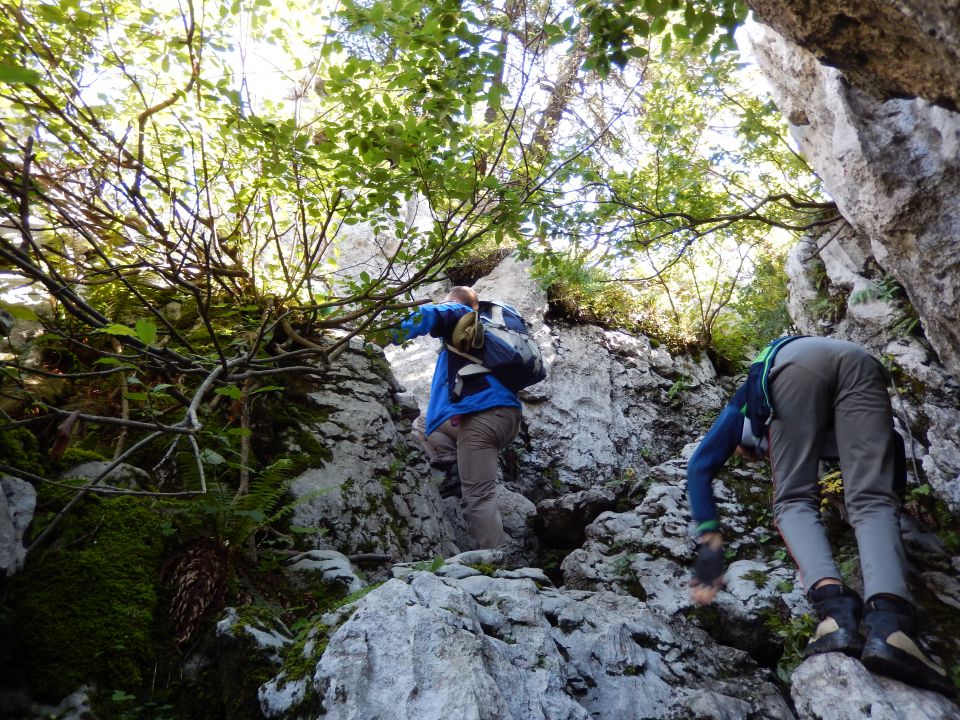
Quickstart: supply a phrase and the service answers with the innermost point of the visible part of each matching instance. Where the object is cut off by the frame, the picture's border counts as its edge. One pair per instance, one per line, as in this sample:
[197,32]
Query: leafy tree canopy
[212,197]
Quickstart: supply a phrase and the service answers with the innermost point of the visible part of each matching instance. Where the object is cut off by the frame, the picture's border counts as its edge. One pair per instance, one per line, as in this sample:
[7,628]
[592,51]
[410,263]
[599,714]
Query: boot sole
[881,658]
[847,643]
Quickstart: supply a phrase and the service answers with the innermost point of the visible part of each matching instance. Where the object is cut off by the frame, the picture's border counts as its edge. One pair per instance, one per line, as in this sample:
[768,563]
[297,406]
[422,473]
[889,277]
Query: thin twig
[25,195]
[99,489]
[245,401]
[196,454]
[133,424]
[64,376]
[818,250]
[124,405]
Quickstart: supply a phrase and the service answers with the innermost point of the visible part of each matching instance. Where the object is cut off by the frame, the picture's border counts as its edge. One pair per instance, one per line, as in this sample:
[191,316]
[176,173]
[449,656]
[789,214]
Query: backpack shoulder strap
[491,311]
[765,360]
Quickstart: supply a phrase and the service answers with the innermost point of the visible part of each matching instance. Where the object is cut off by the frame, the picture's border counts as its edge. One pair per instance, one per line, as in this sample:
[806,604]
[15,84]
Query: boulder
[18,500]
[496,647]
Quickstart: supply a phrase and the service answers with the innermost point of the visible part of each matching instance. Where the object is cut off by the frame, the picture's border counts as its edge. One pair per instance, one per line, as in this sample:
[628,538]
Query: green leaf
[700,36]
[146,331]
[13,75]
[267,388]
[119,330]
[212,457]
[107,361]
[231,391]
[19,312]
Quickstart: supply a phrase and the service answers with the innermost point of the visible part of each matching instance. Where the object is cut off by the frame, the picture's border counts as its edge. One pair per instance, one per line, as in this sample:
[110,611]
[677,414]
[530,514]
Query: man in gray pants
[818,386]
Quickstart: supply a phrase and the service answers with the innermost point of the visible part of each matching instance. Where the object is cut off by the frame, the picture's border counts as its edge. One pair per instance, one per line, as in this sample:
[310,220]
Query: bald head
[464,295]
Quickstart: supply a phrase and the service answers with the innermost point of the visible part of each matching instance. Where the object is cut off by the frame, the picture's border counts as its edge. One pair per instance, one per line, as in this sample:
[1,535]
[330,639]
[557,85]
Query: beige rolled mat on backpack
[467,335]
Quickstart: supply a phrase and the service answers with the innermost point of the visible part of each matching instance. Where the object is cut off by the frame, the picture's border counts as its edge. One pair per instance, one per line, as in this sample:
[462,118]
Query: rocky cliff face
[18,499]
[893,167]
[368,494]
[619,638]
[611,406]
[890,48]
[612,632]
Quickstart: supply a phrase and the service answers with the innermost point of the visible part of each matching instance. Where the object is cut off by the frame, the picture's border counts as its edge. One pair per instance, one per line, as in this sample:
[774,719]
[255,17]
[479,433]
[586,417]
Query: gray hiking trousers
[475,443]
[818,384]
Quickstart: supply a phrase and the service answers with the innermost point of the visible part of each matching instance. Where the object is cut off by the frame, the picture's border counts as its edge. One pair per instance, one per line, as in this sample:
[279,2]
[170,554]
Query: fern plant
[237,518]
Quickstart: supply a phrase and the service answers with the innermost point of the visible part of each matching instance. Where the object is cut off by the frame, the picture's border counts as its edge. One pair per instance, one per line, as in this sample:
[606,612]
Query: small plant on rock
[795,633]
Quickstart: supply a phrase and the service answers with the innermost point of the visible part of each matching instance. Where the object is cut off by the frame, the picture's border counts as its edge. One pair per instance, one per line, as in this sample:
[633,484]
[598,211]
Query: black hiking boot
[450,485]
[839,609]
[893,650]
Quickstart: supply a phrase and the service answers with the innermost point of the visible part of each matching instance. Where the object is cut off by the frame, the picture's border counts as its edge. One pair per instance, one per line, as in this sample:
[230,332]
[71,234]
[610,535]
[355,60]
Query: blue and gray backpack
[496,340]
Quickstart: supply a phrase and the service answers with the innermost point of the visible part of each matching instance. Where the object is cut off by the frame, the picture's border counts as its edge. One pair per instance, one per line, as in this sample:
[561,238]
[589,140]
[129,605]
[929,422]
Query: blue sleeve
[715,449]
[435,320]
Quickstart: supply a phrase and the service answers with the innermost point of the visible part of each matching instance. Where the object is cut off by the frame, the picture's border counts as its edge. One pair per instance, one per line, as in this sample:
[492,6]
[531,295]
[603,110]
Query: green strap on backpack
[758,407]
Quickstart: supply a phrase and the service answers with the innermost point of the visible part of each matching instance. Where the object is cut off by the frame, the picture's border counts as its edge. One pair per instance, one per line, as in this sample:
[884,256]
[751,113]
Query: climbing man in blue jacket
[468,422]
[821,390]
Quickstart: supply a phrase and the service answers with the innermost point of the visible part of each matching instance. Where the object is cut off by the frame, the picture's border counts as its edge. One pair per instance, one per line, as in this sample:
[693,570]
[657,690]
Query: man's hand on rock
[708,569]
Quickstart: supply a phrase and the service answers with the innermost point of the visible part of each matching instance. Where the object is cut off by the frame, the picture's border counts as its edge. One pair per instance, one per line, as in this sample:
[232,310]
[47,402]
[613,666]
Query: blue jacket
[480,393]
[713,452]
[733,427]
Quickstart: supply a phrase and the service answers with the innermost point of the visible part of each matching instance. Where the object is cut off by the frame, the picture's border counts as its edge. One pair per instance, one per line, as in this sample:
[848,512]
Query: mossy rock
[87,610]
[73,457]
[19,448]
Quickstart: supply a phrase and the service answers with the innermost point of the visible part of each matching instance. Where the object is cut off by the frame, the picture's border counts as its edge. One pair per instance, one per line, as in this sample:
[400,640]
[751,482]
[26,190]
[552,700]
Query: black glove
[708,568]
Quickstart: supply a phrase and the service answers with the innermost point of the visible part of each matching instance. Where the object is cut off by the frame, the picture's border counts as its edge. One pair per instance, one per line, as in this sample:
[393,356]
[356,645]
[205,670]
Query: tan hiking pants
[475,443]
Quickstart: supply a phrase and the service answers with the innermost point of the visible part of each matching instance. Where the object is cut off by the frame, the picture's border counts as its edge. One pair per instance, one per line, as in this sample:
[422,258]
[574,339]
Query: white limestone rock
[611,403]
[893,168]
[648,553]
[488,647]
[18,501]
[331,567]
[374,494]
[124,475]
[835,687]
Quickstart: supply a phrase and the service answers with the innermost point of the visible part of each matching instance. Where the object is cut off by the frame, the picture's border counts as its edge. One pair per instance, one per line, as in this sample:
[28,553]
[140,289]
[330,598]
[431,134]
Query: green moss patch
[86,609]
[19,448]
